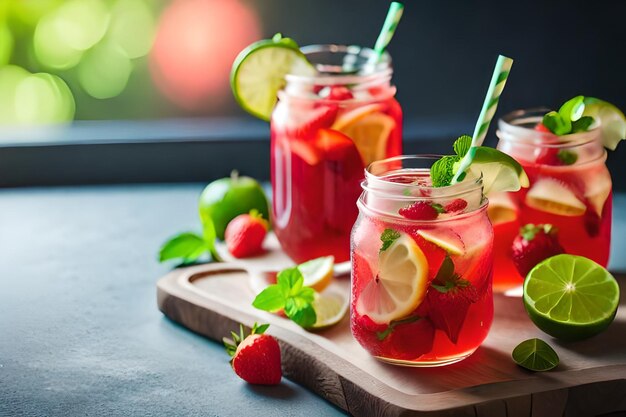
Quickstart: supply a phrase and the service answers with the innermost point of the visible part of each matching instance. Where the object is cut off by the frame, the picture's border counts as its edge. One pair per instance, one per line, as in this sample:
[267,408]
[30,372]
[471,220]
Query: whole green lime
[226,198]
[571,297]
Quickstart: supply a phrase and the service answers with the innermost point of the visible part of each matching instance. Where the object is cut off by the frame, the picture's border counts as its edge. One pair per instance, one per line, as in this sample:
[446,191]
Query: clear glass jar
[570,188]
[421,279]
[325,130]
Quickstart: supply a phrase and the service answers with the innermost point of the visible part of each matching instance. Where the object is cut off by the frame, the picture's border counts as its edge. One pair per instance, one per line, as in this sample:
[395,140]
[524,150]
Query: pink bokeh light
[194,48]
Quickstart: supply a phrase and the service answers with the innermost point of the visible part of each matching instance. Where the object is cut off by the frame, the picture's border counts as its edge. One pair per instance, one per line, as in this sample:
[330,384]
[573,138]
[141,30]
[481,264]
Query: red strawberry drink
[325,130]
[570,188]
[421,265]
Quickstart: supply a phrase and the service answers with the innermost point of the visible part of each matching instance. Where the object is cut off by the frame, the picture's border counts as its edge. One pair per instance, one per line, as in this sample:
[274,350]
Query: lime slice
[445,238]
[612,120]
[330,307]
[500,172]
[317,273]
[259,72]
[570,297]
[401,283]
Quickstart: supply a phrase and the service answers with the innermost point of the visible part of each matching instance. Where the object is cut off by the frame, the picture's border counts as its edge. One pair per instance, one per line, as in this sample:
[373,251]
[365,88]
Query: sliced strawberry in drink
[435,255]
[449,298]
[456,206]
[540,127]
[366,323]
[320,117]
[592,221]
[335,146]
[409,341]
[420,210]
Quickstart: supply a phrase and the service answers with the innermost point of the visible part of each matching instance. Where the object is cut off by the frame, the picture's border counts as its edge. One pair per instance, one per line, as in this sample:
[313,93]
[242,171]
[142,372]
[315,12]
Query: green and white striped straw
[389,28]
[498,81]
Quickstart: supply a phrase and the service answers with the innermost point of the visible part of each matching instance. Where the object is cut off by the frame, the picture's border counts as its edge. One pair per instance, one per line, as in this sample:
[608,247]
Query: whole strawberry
[256,357]
[245,233]
[533,245]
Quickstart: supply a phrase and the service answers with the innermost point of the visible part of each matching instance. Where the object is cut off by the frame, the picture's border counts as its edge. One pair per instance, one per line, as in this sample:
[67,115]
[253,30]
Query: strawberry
[411,340]
[245,233]
[533,245]
[449,298]
[368,324]
[256,357]
[339,92]
[540,127]
[456,205]
[320,117]
[552,156]
[591,220]
[420,210]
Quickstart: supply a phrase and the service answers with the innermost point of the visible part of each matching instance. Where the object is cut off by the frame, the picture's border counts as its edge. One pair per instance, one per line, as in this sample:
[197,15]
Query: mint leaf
[462,145]
[442,171]
[290,280]
[567,157]
[535,355]
[301,311]
[388,237]
[186,246]
[573,109]
[270,299]
[583,124]
[383,335]
[556,123]
[209,234]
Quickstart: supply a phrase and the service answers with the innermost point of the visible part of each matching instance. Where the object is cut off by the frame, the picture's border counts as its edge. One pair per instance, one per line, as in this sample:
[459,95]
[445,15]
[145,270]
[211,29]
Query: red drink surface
[440,329]
[584,228]
[319,151]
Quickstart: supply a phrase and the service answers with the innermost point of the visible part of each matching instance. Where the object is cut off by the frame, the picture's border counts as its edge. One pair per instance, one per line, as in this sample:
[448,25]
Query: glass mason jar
[570,188]
[421,278]
[325,130]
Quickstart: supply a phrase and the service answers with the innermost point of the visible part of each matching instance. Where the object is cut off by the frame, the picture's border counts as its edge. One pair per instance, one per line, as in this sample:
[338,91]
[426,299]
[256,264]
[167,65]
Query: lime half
[612,121]
[500,172]
[259,72]
[571,297]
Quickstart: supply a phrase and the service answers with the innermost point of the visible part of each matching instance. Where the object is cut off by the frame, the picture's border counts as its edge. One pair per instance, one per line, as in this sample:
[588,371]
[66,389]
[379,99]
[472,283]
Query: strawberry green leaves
[232,343]
[535,355]
[289,294]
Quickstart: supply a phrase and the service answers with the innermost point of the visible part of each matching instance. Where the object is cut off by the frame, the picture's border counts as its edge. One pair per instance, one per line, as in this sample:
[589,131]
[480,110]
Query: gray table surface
[80,333]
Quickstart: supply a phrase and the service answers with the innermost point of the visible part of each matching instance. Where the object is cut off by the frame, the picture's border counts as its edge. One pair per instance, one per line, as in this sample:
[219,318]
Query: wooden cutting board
[213,299]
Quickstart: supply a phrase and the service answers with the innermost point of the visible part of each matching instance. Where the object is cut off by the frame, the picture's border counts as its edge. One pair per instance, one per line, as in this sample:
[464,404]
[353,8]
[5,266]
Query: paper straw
[498,81]
[389,28]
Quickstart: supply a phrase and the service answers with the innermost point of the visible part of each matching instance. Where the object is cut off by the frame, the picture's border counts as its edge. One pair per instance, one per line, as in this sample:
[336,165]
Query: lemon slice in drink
[401,283]
[612,120]
[552,196]
[369,129]
[330,307]
[500,172]
[445,238]
[259,72]
[318,272]
[571,297]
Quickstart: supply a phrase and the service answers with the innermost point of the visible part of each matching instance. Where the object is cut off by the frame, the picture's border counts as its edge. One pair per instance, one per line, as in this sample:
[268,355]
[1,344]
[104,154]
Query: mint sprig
[442,171]
[388,237]
[569,118]
[291,295]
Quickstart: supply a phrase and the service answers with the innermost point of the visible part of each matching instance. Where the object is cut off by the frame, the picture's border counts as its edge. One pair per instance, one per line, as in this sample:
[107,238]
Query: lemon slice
[554,197]
[445,238]
[612,121]
[370,134]
[317,273]
[501,208]
[330,307]
[400,286]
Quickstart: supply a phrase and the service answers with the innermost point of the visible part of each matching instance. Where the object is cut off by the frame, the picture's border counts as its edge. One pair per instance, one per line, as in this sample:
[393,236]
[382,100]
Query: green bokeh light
[6,44]
[132,27]
[10,77]
[50,49]
[104,70]
[43,99]
[82,23]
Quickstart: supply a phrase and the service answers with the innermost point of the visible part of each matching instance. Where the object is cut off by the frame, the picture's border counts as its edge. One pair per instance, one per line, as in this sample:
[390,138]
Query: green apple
[226,198]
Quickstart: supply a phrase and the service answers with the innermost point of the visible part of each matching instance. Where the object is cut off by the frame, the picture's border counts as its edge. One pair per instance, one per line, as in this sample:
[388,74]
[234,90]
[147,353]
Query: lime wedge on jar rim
[612,121]
[500,172]
[570,297]
[259,72]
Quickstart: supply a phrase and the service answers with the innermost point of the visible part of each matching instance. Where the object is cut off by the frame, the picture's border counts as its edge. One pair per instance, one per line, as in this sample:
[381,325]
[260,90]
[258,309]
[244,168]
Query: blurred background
[111,73]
